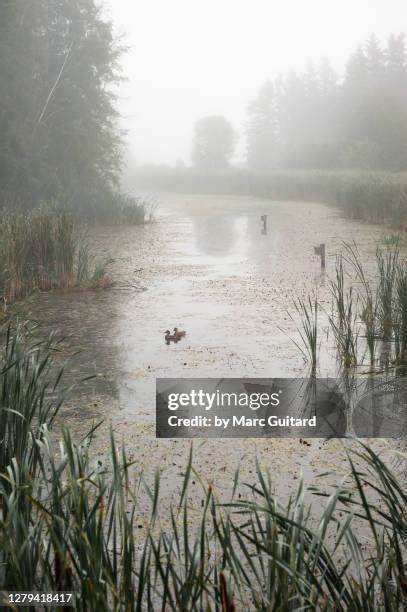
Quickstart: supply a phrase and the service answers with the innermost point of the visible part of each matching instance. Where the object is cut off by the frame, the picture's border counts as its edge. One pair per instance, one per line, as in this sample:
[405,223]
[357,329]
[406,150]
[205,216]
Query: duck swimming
[169,337]
[179,333]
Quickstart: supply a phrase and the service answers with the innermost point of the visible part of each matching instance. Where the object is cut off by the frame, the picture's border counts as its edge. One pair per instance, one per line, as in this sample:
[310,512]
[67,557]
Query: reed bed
[37,250]
[69,523]
[368,318]
[44,248]
[131,209]
[377,197]
[382,303]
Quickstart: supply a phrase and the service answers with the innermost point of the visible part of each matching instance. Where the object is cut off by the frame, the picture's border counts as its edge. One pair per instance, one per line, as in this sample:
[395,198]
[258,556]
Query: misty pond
[204,265]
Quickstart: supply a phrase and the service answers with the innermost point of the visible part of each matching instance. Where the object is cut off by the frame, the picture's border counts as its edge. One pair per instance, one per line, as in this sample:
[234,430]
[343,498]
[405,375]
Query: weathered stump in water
[320,250]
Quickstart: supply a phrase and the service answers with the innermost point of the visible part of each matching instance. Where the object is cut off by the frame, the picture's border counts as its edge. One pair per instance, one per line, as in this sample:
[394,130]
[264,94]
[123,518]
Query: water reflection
[215,235]
[86,322]
[236,239]
[214,274]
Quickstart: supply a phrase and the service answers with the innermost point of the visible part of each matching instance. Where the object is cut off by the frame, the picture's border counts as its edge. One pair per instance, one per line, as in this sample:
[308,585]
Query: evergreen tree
[58,133]
[314,120]
[375,60]
[262,132]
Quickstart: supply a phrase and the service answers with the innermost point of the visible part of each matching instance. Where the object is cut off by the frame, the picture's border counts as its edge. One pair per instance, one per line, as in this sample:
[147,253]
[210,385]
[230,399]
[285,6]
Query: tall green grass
[400,315]
[307,310]
[343,321]
[69,523]
[384,303]
[44,248]
[368,311]
[368,299]
[37,250]
[131,209]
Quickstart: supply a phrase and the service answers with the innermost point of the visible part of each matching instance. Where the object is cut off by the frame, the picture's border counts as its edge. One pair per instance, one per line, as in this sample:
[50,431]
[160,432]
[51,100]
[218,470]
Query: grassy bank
[43,249]
[38,249]
[377,197]
[69,523]
[46,248]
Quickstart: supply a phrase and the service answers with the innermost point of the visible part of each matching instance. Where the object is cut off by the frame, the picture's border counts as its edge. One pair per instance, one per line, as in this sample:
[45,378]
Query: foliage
[214,141]
[262,129]
[369,312]
[44,248]
[69,522]
[37,250]
[59,136]
[317,120]
[343,320]
[307,310]
[130,209]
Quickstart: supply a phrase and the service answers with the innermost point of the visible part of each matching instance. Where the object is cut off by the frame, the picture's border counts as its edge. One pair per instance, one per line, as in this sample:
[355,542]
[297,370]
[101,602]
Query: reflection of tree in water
[215,235]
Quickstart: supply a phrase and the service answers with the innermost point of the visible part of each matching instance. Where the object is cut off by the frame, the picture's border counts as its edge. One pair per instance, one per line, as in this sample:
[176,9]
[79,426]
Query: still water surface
[205,266]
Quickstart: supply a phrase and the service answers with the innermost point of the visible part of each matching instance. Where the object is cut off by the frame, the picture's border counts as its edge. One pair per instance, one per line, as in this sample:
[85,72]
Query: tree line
[317,119]
[59,63]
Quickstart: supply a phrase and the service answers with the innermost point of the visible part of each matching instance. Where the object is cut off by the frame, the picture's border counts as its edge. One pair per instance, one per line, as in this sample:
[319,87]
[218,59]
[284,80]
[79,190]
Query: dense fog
[188,60]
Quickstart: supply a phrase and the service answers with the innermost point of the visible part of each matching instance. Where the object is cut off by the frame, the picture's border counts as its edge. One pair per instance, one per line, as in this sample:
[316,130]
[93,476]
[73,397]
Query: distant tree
[375,59]
[396,56]
[58,132]
[262,128]
[327,78]
[375,107]
[214,142]
[293,115]
[314,119]
[328,113]
[356,77]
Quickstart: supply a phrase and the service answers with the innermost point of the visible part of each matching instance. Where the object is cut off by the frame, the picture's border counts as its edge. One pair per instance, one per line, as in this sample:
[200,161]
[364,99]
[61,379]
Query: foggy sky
[191,58]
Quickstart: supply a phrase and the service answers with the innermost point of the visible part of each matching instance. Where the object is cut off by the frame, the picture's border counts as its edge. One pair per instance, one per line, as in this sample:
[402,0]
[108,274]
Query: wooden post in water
[264,220]
[322,247]
[320,250]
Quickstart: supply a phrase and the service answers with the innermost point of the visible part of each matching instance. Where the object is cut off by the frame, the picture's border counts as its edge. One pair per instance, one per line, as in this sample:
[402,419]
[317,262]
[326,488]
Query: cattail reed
[45,248]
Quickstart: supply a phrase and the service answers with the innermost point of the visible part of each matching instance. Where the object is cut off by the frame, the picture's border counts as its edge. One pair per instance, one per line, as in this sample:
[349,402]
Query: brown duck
[179,333]
[169,337]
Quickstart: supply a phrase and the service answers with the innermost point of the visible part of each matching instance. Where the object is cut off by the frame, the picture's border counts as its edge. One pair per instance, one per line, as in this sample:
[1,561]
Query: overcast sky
[191,58]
